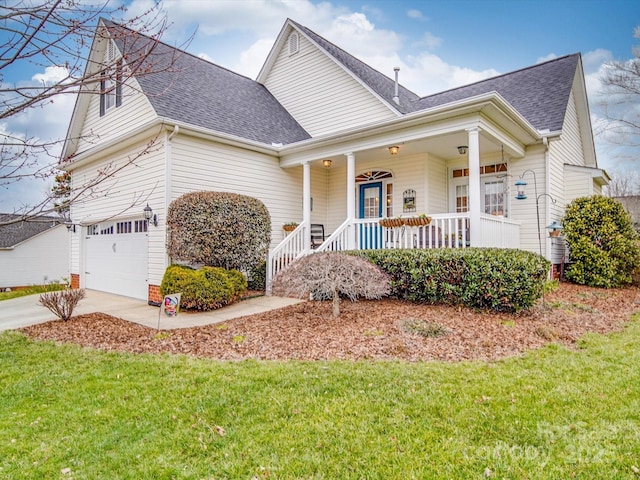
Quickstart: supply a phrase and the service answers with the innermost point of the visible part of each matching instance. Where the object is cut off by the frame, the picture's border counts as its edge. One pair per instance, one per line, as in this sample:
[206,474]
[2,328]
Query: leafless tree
[621,104]
[623,184]
[59,34]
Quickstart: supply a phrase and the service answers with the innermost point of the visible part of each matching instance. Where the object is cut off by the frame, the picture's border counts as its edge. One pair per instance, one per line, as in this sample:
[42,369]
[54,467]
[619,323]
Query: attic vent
[110,54]
[294,43]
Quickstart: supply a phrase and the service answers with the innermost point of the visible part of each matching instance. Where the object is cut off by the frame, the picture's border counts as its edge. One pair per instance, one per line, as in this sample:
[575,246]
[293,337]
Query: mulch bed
[364,330]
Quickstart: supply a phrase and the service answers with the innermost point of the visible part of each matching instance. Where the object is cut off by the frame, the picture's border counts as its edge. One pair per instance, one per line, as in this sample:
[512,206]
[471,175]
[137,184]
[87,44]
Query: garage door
[116,258]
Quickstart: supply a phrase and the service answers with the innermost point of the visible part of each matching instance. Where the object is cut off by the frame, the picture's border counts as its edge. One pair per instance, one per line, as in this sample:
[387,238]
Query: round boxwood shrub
[218,229]
[204,289]
[605,249]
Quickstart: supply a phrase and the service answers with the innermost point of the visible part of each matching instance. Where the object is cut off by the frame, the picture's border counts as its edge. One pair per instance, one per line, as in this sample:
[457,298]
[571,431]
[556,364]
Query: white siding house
[320,138]
[34,253]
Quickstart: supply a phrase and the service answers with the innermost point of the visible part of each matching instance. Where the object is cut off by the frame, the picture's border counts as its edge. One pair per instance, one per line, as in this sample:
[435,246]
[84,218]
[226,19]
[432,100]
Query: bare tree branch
[62,34]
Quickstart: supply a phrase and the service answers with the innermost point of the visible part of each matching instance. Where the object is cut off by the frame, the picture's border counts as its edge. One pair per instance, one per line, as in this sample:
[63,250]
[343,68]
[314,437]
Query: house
[321,138]
[33,253]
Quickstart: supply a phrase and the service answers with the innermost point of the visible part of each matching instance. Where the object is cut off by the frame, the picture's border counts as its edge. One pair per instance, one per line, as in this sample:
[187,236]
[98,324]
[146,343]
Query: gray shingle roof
[15,233]
[376,81]
[189,89]
[540,92]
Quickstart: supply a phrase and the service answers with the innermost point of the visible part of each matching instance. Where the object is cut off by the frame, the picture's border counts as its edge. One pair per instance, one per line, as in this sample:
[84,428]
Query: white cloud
[427,73]
[416,14]
[51,75]
[546,58]
[429,41]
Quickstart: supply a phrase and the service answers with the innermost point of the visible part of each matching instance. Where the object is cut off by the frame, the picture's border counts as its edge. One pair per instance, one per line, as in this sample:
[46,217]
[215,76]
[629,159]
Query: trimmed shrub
[605,249]
[325,276]
[218,229]
[258,277]
[488,278]
[204,289]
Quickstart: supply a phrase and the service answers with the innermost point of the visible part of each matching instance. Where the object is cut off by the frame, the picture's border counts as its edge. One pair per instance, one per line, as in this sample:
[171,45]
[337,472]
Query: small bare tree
[327,276]
[58,35]
[62,303]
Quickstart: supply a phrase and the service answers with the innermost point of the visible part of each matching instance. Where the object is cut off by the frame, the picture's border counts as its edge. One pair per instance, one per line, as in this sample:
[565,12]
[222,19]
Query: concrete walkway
[24,311]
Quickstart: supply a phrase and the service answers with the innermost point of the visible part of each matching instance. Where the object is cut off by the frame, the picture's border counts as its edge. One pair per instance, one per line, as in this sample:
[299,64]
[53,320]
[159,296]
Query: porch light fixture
[70,227]
[326,163]
[462,149]
[394,150]
[149,216]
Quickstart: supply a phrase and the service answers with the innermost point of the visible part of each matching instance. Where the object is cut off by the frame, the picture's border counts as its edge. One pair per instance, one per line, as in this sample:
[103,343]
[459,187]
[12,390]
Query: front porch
[450,230]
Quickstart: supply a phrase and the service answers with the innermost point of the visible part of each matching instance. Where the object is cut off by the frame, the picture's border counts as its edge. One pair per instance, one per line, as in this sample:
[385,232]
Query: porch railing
[449,230]
[289,250]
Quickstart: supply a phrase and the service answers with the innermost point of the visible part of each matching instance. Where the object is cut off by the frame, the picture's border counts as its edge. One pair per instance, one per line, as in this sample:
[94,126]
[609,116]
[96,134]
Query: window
[111,82]
[141,226]
[123,227]
[462,198]
[494,197]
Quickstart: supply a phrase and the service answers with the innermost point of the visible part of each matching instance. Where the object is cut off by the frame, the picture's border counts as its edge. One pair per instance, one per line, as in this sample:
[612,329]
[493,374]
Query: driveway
[24,311]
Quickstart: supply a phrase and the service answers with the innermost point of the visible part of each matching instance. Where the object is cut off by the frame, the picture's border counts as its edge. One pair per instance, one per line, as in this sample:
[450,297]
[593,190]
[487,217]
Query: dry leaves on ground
[365,330]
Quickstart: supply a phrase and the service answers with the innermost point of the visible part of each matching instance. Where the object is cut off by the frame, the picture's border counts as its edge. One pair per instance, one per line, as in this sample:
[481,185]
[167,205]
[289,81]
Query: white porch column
[306,203]
[351,197]
[474,187]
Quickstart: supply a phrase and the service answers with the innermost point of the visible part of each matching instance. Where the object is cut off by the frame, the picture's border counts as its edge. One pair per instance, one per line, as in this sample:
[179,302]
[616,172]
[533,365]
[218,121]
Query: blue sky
[437,44]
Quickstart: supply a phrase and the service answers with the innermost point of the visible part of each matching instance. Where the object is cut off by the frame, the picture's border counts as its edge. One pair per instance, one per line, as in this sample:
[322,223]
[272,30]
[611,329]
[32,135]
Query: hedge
[488,278]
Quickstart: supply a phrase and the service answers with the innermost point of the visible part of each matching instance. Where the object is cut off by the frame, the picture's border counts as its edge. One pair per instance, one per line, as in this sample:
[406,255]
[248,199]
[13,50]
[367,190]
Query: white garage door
[116,258]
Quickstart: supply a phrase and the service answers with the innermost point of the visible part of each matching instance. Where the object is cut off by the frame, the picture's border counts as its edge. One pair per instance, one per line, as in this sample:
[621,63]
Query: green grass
[552,414]
[52,287]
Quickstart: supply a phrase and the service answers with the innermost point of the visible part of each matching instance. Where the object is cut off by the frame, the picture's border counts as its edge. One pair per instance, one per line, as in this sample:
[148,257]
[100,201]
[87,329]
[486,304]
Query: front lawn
[69,412]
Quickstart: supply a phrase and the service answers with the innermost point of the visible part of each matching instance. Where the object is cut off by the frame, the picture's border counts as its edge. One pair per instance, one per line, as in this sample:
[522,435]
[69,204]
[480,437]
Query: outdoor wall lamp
[394,150]
[70,227]
[462,149]
[326,163]
[149,216]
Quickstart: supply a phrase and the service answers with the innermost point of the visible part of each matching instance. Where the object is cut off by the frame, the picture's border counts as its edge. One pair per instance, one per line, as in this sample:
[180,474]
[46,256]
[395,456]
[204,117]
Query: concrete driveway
[24,311]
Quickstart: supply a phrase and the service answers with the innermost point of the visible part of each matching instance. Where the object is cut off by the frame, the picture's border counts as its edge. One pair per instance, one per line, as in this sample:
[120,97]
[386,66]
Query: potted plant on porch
[289,226]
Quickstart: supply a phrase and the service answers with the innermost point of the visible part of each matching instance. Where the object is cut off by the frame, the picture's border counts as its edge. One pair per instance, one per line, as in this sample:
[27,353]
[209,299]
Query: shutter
[102,99]
[118,84]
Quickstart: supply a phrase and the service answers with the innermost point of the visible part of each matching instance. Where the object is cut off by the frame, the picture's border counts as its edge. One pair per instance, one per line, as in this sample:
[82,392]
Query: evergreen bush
[605,249]
[218,229]
[487,278]
[204,289]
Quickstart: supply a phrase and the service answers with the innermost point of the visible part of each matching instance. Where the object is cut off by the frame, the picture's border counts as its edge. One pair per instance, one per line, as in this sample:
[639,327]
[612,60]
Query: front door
[370,234]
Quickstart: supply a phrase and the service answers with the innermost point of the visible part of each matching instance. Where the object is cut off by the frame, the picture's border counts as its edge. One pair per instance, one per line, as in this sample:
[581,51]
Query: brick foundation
[75,280]
[153,294]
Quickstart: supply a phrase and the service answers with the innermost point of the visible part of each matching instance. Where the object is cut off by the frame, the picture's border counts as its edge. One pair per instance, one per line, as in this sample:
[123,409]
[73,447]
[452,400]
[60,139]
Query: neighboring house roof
[197,92]
[540,92]
[376,81]
[15,233]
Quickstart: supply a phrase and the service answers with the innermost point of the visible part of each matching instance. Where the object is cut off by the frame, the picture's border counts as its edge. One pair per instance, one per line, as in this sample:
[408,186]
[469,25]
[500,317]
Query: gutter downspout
[547,198]
[168,170]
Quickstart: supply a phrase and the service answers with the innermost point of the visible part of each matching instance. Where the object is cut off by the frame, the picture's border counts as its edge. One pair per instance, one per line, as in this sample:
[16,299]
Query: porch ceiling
[442,146]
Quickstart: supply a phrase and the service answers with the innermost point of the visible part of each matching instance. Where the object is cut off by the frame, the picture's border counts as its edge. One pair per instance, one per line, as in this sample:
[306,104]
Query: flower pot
[289,228]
